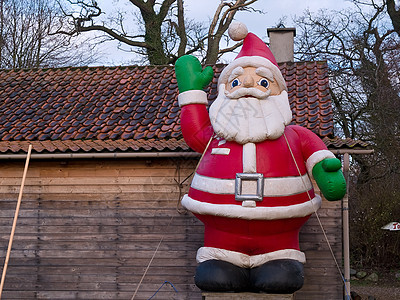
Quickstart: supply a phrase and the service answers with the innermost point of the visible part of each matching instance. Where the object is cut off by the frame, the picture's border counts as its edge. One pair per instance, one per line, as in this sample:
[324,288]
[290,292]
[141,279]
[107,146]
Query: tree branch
[181,29]
[230,49]
[165,6]
[394,15]
[113,34]
[143,6]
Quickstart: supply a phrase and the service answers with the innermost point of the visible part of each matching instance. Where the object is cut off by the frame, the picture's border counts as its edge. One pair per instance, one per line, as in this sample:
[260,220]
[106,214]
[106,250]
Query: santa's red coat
[288,197]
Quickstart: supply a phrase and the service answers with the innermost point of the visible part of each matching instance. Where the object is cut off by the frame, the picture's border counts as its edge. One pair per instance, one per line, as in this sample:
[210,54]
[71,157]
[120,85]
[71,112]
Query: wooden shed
[100,215]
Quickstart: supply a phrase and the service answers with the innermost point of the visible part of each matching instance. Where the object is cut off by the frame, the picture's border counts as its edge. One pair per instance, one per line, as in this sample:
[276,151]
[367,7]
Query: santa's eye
[263,82]
[235,83]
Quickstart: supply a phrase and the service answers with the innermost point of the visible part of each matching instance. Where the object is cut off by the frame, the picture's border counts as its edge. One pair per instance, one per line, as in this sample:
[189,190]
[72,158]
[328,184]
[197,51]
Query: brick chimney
[281,43]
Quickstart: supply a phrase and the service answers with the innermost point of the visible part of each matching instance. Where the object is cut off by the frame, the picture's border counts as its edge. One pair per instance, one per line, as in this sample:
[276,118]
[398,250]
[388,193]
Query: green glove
[190,74]
[329,177]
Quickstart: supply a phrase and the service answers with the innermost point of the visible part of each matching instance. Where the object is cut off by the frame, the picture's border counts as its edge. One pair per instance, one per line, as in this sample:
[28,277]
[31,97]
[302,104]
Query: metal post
[346,236]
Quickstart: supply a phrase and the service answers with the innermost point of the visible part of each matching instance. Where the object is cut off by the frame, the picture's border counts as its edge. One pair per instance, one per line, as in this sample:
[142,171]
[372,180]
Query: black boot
[281,276]
[221,276]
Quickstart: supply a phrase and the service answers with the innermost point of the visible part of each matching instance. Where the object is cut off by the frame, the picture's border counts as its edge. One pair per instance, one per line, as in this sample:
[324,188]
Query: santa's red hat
[254,53]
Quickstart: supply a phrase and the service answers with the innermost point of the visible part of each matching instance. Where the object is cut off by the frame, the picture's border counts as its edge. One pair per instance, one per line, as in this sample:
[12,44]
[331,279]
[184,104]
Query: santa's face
[250,107]
[251,77]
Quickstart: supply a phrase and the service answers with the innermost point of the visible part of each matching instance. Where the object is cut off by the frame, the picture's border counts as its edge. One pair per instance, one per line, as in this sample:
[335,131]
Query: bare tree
[164,34]
[357,44]
[25,38]
[362,49]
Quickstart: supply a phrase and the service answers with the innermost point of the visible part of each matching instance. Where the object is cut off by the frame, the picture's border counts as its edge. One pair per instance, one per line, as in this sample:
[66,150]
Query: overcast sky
[203,10]
[274,10]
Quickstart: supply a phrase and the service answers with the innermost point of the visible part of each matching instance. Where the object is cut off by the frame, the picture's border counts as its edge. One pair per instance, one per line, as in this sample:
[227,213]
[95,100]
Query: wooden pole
[346,235]
[3,276]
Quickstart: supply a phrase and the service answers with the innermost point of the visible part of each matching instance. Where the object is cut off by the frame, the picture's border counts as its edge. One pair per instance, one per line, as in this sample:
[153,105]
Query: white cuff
[315,158]
[247,261]
[252,213]
[192,97]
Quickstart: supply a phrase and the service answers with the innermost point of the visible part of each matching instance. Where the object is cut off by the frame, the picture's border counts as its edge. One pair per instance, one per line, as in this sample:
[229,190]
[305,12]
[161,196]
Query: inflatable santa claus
[252,189]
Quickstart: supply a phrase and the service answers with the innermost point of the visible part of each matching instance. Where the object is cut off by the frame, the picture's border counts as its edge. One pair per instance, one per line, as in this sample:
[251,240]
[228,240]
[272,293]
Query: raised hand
[190,74]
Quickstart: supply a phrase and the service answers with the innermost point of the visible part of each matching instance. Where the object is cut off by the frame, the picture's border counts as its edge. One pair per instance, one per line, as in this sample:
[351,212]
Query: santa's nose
[248,81]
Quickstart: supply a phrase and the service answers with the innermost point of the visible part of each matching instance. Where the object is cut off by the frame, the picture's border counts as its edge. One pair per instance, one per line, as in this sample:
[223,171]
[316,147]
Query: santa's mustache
[247,92]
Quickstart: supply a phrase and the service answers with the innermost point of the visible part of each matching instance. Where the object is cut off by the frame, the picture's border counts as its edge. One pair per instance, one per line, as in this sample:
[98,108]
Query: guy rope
[319,220]
[162,238]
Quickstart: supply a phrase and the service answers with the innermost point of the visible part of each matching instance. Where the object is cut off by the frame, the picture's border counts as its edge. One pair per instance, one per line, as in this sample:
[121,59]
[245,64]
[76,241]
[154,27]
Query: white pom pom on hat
[252,44]
[237,31]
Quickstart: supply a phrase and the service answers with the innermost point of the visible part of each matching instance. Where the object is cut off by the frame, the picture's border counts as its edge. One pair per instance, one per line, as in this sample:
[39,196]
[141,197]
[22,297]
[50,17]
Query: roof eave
[150,154]
[351,151]
[94,155]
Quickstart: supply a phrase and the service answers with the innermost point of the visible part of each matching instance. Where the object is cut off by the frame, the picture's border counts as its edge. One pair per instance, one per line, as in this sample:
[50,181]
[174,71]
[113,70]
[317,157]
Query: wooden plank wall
[89,228]
[322,277]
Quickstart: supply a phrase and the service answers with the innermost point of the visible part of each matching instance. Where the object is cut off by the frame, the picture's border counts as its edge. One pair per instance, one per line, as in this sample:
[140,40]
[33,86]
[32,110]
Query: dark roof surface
[102,109]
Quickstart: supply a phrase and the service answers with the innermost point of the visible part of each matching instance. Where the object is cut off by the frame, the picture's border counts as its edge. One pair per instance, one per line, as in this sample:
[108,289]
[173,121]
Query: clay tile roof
[108,109]
[338,143]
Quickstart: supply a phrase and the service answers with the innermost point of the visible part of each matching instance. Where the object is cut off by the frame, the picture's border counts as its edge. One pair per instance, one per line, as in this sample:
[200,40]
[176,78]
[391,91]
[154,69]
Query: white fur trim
[220,151]
[252,61]
[192,97]
[237,31]
[277,186]
[249,158]
[221,142]
[247,261]
[249,203]
[252,213]
[316,157]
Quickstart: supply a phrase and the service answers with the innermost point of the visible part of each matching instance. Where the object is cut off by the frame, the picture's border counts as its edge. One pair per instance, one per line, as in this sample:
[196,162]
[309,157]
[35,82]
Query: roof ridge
[122,67]
[102,67]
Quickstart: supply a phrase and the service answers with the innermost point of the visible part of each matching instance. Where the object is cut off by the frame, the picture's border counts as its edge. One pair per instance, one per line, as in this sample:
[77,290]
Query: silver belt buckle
[258,178]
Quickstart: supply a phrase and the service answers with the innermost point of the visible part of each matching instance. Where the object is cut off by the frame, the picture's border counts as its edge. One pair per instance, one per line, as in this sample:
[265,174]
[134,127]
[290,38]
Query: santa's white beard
[248,119]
